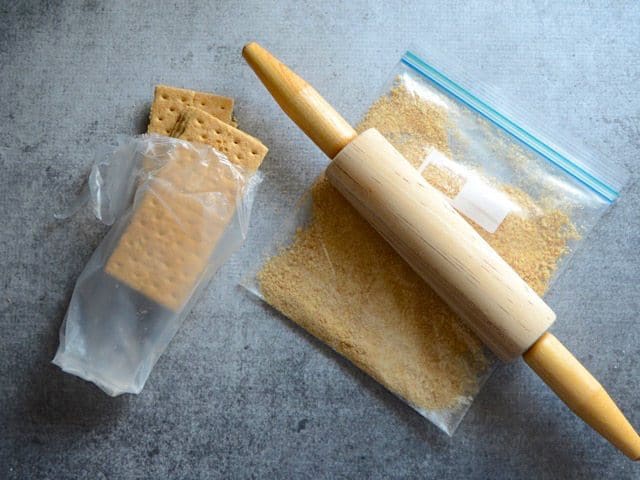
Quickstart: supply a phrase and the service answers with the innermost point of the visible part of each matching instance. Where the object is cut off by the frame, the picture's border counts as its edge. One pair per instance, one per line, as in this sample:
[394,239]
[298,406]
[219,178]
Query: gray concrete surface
[241,393]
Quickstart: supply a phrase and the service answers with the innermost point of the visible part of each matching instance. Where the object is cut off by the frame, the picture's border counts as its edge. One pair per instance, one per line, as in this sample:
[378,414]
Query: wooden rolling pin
[439,244]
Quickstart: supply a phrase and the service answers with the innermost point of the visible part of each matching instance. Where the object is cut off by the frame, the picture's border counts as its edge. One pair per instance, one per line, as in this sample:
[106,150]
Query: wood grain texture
[421,225]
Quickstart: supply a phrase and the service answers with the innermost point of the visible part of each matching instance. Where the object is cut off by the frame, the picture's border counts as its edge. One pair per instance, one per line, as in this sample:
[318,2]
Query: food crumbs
[343,283]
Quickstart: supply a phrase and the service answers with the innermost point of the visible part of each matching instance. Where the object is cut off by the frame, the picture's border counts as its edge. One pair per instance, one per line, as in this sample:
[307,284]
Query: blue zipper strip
[414,62]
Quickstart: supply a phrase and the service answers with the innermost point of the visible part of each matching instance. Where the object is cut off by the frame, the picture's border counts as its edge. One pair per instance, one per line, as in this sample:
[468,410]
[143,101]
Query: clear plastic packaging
[532,200]
[180,210]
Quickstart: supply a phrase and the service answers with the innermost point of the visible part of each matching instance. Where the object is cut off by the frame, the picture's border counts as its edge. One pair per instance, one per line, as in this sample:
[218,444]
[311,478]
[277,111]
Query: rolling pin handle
[300,101]
[582,393]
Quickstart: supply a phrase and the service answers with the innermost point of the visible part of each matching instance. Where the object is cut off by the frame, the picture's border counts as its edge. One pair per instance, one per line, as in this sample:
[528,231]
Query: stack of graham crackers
[172,233]
[204,118]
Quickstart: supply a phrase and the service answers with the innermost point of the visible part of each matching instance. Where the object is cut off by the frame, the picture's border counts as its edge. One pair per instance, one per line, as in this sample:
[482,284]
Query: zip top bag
[515,195]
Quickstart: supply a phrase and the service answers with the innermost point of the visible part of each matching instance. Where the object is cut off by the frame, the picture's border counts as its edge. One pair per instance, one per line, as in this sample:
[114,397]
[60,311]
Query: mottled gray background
[241,392]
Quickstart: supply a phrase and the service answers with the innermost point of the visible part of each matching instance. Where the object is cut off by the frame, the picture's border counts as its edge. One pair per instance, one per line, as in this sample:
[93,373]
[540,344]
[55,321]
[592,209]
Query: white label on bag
[483,204]
[435,157]
[477,200]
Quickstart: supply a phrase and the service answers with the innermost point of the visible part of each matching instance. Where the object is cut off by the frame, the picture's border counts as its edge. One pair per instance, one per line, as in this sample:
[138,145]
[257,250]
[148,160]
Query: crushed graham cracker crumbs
[343,283]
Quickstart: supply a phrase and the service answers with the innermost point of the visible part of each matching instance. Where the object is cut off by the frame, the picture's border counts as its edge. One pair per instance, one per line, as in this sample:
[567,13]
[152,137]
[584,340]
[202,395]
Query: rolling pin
[439,244]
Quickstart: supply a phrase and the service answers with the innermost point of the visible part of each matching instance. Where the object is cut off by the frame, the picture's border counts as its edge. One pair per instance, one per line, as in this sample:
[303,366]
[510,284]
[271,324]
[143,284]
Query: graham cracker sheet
[170,102]
[195,125]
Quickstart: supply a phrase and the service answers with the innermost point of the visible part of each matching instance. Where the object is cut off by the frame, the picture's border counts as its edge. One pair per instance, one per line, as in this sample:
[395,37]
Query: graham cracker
[170,102]
[174,229]
[194,125]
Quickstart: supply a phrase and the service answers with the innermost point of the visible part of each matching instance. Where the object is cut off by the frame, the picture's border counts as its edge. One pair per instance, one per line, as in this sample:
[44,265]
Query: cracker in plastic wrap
[174,229]
[180,209]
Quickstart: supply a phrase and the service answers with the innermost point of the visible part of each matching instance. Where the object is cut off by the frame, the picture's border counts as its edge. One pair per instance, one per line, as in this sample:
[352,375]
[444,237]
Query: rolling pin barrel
[421,225]
[414,217]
